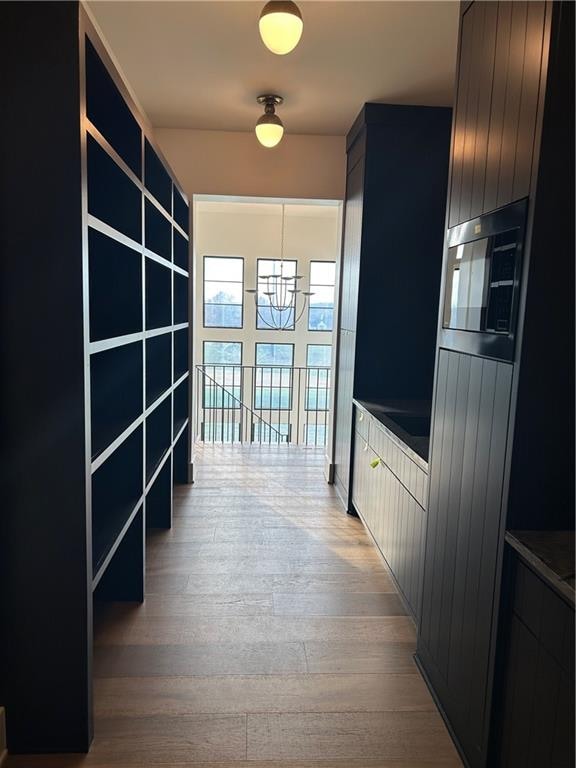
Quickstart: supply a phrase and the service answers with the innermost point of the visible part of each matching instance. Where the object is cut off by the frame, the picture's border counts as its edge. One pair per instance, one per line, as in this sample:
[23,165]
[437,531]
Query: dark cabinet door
[538,709]
[502,50]
[343,415]
[350,271]
[466,482]
[351,246]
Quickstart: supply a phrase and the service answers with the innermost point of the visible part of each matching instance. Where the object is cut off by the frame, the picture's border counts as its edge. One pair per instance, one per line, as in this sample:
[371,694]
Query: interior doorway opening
[264,365]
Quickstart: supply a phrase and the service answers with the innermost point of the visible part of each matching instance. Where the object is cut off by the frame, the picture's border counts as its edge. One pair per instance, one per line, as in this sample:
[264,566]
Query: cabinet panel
[529,99]
[499,75]
[512,102]
[351,246]
[477,15]
[466,482]
[343,416]
[497,108]
[392,514]
[485,77]
[538,707]
[457,163]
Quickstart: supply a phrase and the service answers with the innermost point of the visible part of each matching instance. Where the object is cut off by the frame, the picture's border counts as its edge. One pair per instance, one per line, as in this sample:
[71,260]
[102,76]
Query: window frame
[235,282]
[321,285]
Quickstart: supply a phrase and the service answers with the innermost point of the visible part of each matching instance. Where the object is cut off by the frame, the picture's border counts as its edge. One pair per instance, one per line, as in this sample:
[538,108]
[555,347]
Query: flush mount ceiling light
[281,26]
[269,128]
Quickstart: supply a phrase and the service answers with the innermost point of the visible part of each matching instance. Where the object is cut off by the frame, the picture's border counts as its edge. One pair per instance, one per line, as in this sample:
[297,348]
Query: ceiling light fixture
[281,26]
[269,128]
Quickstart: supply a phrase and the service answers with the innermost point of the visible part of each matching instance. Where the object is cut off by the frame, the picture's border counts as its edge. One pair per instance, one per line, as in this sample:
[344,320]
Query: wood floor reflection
[271,636]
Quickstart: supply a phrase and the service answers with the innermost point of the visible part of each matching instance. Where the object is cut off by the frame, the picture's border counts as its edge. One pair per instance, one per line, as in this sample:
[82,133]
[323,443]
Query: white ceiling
[202,64]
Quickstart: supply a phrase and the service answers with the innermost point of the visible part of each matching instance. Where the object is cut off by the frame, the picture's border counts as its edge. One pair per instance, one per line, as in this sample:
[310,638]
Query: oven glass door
[480,282]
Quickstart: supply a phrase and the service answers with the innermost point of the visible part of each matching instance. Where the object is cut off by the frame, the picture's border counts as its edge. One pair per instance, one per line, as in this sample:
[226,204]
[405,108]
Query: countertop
[384,411]
[550,554]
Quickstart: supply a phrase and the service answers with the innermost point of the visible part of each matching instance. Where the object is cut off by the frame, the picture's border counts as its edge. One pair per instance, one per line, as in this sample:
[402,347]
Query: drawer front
[362,423]
[413,477]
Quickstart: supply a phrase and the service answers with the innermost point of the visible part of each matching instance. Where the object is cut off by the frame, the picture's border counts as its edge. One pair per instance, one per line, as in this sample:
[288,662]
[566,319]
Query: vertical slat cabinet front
[502,47]
[464,517]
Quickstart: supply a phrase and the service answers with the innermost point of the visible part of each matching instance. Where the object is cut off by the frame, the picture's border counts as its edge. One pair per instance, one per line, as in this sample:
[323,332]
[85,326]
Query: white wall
[234,163]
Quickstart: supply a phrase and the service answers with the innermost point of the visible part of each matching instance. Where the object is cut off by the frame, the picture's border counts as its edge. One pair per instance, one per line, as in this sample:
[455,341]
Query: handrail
[233,397]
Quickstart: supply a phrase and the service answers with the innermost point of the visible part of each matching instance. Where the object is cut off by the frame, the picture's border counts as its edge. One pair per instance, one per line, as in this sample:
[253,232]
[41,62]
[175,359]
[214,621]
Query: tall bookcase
[95,336]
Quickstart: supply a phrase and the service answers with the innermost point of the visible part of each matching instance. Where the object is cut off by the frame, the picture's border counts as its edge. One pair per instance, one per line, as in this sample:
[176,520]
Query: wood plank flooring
[271,636]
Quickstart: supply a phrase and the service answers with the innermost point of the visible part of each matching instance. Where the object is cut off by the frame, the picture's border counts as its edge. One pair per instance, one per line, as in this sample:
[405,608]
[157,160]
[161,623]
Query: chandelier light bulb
[281,26]
[269,128]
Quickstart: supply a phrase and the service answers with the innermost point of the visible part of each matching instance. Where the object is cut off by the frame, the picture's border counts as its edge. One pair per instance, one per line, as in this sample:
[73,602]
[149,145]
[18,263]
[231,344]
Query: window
[223,291]
[266,317]
[322,282]
[318,358]
[222,374]
[273,376]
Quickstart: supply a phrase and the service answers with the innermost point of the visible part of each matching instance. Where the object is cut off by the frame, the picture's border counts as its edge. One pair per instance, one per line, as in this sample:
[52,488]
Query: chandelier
[281,304]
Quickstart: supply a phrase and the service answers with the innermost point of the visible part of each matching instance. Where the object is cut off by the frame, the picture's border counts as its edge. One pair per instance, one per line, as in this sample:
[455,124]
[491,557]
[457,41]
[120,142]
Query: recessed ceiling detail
[199,64]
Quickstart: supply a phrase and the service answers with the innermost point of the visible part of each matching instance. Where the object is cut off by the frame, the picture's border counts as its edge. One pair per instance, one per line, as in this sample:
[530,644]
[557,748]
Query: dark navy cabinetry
[502,444]
[391,256]
[94,411]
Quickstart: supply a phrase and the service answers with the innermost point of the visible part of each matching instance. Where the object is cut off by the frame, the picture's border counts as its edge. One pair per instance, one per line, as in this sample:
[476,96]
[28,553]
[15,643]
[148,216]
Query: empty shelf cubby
[158,295]
[180,299]
[156,178]
[117,488]
[158,232]
[181,211]
[115,280]
[180,353]
[180,250]
[180,458]
[116,379]
[110,114]
[158,366]
[112,197]
[158,435]
[159,500]
[180,405]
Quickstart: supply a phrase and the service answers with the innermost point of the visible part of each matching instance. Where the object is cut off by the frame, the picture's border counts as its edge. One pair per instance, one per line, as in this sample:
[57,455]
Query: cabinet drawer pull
[360,416]
[365,447]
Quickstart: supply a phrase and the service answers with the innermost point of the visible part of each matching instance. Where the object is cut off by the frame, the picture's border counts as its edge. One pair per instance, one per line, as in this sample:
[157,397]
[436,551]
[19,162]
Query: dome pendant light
[281,26]
[269,128]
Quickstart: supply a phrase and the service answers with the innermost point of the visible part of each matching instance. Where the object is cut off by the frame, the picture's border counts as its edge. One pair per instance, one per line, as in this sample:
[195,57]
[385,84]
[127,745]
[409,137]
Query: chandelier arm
[273,327]
[302,310]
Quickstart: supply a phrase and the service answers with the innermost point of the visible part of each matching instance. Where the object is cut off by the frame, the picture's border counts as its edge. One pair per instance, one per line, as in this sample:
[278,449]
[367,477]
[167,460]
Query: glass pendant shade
[281,26]
[269,130]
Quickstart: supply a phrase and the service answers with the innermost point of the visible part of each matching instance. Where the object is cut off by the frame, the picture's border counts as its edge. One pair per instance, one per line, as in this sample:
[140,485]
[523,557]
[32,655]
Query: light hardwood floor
[271,636]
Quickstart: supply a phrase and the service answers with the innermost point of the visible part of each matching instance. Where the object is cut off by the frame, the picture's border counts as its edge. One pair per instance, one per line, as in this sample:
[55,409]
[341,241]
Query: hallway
[271,636]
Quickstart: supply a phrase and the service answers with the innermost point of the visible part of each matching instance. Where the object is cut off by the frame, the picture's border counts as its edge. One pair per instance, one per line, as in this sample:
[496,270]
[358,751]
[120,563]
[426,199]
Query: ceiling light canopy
[269,128]
[281,26]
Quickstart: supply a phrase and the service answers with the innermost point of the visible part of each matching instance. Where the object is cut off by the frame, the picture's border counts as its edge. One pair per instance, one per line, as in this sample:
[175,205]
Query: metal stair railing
[228,426]
[288,404]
